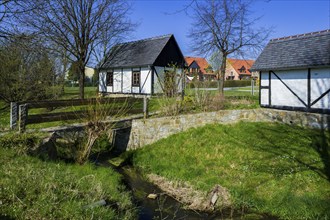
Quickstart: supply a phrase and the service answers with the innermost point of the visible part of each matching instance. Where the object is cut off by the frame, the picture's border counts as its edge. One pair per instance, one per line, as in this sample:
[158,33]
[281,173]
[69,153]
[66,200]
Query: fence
[19,111]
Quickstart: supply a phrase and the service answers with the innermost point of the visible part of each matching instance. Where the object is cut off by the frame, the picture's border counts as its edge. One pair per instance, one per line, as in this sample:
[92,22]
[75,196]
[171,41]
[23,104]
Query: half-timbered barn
[295,73]
[140,67]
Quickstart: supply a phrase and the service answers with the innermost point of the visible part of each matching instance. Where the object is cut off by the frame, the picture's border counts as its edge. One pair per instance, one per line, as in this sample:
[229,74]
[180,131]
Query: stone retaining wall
[148,131]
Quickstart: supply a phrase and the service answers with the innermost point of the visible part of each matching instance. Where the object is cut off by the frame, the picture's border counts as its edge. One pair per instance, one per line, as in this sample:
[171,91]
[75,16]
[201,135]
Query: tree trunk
[81,79]
[221,75]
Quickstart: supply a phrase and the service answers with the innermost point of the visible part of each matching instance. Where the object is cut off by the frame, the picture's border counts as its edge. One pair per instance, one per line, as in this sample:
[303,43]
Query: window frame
[136,79]
[109,78]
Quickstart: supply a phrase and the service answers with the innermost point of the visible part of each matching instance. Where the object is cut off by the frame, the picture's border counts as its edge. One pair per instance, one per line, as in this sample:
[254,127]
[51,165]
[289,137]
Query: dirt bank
[216,198]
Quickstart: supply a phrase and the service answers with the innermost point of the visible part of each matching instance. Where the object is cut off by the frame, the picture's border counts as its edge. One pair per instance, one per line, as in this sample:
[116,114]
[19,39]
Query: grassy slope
[35,189]
[270,168]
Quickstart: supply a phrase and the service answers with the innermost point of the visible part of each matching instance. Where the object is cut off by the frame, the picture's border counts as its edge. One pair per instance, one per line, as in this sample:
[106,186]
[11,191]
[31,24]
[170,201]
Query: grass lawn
[73,92]
[277,169]
[34,189]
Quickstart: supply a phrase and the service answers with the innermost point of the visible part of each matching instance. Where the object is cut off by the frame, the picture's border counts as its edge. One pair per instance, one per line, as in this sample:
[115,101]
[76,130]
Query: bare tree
[76,26]
[7,9]
[225,26]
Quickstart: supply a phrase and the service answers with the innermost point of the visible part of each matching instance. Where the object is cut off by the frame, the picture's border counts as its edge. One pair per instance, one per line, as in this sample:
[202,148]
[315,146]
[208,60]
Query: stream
[164,206]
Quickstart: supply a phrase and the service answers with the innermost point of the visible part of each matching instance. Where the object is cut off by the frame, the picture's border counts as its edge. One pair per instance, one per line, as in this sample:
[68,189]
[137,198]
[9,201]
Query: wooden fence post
[23,113]
[145,107]
[13,115]
[252,86]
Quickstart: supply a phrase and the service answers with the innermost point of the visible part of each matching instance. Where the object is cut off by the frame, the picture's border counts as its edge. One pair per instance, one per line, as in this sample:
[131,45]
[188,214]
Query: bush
[237,83]
[214,84]
[202,84]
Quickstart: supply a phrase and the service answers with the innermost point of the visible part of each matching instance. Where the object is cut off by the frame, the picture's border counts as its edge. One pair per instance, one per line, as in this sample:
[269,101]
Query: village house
[238,69]
[199,67]
[141,67]
[295,73]
[89,73]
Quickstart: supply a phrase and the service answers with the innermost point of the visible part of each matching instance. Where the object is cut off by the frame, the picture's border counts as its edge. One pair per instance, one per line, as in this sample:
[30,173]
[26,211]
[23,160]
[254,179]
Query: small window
[109,78]
[136,78]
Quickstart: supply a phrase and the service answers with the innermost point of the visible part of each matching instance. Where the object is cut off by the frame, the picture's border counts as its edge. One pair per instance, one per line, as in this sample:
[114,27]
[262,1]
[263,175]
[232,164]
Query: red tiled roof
[237,65]
[201,62]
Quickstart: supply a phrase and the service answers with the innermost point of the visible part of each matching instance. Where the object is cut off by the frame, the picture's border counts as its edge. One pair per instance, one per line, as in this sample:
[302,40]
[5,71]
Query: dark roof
[300,51]
[137,53]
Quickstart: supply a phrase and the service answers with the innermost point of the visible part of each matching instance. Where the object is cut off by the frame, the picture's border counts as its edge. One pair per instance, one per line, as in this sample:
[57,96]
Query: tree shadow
[321,145]
[319,142]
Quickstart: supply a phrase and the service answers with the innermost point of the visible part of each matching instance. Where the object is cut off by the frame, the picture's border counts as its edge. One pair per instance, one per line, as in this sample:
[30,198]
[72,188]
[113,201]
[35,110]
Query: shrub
[214,84]
[202,84]
[170,106]
[237,83]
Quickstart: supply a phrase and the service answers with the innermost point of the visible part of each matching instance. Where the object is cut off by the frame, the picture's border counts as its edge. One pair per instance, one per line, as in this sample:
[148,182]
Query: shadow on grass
[320,140]
[321,146]
[296,162]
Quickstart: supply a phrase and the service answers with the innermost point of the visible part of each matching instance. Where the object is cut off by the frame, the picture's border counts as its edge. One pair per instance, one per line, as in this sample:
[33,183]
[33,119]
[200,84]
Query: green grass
[234,99]
[4,116]
[34,189]
[69,93]
[73,92]
[277,169]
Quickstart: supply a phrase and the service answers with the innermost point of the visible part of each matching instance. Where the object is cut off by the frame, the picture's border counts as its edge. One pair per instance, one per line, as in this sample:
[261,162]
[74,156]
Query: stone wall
[148,131]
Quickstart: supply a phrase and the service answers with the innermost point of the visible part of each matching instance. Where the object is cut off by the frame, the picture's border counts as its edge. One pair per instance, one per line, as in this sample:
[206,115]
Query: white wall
[127,80]
[102,81]
[145,82]
[264,92]
[320,83]
[122,81]
[117,79]
[159,79]
[297,81]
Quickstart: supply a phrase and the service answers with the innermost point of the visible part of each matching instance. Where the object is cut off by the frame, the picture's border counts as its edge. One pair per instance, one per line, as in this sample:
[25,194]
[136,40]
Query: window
[136,78]
[242,70]
[109,78]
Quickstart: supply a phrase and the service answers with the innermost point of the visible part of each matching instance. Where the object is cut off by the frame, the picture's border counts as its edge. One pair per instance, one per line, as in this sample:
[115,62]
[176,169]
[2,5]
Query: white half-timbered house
[139,67]
[295,73]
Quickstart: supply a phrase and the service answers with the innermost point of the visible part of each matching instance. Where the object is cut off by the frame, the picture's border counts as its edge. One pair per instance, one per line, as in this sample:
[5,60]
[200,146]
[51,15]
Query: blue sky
[288,17]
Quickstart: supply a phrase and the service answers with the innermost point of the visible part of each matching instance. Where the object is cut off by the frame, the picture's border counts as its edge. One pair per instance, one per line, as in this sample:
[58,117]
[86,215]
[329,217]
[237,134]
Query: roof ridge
[194,57]
[301,35]
[240,59]
[147,39]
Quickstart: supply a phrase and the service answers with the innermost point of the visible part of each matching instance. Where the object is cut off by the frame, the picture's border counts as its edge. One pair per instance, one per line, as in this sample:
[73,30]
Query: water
[166,207]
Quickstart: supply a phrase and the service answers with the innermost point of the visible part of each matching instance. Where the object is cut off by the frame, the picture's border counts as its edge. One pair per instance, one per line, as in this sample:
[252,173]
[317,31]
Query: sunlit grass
[270,168]
[35,189]
[73,92]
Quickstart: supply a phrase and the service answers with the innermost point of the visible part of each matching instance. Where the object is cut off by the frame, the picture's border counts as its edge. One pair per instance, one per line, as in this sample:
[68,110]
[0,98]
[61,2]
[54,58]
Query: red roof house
[200,67]
[238,69]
